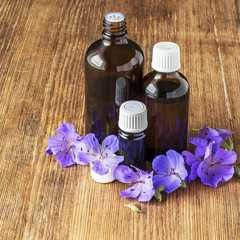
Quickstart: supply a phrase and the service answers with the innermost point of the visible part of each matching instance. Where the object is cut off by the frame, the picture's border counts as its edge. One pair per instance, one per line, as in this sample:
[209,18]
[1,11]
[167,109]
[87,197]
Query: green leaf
[133,207]
[158,191]
[183,184]
[230,145]
[237,169]
[158,195]
[226,146]
[161,188]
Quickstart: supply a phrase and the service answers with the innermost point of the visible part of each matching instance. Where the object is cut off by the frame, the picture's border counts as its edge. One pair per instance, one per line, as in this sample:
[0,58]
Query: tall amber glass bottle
[107,60]
[167,98]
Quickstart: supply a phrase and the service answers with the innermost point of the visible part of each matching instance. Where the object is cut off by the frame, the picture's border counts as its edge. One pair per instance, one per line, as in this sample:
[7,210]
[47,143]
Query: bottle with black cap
[107,60]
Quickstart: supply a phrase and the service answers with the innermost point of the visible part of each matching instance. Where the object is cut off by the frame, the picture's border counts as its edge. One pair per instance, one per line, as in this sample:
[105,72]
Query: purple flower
[191,164]
[218,167]
[143,187]
[206,136]
[66,145]
[102,158]
[170,171]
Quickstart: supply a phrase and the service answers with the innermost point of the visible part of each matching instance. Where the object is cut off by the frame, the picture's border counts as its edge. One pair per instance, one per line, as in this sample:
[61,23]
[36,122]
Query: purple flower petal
[125,174]
[208,153]
[110,145]
[132,192]
[189,158]
[207,176]
[188,168]
[224,131]
[92,143]
[66,158]
[79,138]
[193,174]
[48,150]
[224,137]
[200,152]
[228,157]
[80,146]
[147,190]
[66,130]
[140,172]
[200,142]
[85,158]
[171,183]
[176,160]
[212,133]
[202,132]
[217,139]
[100,167]
[177,163]
[57,144]
[113,161]
[192,164]
[164,164]
[225,171]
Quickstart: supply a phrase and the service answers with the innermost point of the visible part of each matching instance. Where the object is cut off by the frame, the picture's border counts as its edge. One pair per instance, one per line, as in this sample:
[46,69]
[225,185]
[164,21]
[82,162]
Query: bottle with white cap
[132,133]
[166,94]
[106,60]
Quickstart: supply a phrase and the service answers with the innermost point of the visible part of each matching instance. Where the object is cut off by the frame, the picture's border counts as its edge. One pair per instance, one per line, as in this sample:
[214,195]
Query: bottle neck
[165,73]
[114,30]
[132,136]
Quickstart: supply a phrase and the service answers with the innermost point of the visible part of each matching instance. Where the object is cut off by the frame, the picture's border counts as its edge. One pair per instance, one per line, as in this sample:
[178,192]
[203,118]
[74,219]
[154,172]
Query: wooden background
[42,47]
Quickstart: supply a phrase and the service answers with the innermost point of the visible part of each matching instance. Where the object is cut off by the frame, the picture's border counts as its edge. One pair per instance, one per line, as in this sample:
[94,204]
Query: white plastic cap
[114,17]
[166,57]
[107,178]
[133,117]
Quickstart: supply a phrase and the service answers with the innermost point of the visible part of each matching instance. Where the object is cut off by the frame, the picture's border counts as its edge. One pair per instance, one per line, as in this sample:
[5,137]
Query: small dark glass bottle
[167,99]
[106,60]
[132,133]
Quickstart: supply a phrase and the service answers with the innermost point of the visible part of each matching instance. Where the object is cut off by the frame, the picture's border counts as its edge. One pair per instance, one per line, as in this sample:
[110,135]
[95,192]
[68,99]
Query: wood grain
[42,47]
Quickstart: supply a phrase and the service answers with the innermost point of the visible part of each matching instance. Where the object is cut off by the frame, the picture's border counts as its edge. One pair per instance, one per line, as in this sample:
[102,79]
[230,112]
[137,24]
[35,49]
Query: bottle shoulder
[165,85]
[121,54]
[136,46]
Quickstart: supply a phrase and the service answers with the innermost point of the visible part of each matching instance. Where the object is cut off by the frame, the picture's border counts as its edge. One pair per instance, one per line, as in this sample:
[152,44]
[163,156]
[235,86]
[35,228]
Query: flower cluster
[70,148]
[213,161]
[210,162]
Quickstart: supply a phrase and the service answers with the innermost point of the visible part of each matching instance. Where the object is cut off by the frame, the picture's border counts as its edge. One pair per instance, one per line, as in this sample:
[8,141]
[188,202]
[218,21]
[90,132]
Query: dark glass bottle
[132,133]
[167,98]
[106,60]
[132,147]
